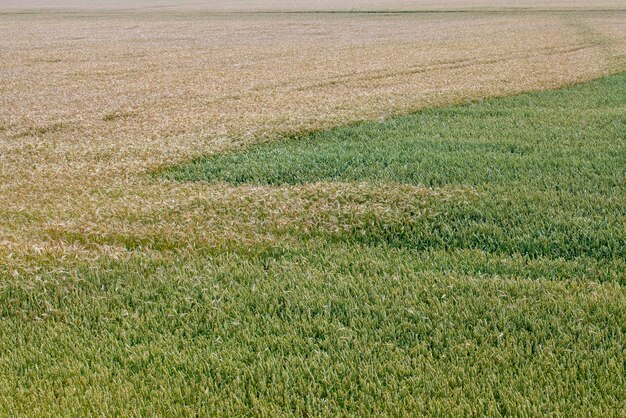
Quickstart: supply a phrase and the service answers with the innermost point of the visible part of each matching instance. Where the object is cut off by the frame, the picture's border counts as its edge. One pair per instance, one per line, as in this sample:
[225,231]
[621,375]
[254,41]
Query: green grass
[497,291]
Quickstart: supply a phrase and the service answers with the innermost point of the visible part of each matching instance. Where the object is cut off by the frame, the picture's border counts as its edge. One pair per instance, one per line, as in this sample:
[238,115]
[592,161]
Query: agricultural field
[319,208]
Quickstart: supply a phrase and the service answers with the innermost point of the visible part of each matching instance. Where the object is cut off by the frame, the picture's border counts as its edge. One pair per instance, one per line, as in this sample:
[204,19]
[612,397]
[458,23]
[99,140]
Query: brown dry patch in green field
[90,101]
[247,216]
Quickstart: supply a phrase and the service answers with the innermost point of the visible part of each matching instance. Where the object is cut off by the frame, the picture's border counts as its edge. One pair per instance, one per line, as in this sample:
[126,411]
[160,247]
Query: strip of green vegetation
[323,330]
[497,291]
[564,140]
[549,168]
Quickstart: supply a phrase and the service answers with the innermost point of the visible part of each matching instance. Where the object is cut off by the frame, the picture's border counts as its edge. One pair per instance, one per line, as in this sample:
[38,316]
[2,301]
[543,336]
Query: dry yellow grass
[90,101]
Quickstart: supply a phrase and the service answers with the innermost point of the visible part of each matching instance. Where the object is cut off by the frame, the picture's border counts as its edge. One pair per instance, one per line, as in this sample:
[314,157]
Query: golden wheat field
[92,100]
[412,208]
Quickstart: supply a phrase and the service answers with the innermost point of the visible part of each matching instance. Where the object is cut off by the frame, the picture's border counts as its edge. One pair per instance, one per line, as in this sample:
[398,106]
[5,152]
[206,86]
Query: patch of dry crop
[90,101]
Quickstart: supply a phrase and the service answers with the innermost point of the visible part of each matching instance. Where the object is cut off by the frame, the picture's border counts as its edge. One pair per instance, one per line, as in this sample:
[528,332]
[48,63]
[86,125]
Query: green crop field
[461,260]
